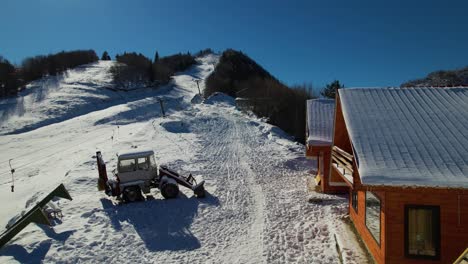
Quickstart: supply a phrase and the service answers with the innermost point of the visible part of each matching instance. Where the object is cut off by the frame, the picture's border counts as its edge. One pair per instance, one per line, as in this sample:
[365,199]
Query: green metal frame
[35,215]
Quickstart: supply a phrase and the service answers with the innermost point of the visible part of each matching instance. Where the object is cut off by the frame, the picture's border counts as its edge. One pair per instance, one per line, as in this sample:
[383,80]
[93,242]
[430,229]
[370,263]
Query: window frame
[355,203]
[135,165]
[436,231]
[146,163]
[380,217]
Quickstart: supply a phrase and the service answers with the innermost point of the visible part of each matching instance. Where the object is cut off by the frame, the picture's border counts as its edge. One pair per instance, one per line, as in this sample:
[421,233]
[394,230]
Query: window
[143,164]
[354,201]
[422,231]
[127,165]
[373,215]
[152,162]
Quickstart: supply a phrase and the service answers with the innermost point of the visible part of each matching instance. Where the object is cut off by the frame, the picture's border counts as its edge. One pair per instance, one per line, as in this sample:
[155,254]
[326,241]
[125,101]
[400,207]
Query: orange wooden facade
[329,182]
[453,206]
[390,247]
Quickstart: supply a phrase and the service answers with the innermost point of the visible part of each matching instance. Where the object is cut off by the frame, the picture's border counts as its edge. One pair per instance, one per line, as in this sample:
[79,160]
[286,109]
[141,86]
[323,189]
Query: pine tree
[156,57]
[330,90]
[105,56]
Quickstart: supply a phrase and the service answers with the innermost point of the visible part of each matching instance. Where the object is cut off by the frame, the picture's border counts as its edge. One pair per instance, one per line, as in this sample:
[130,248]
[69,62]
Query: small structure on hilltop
[404,154]
[319,132]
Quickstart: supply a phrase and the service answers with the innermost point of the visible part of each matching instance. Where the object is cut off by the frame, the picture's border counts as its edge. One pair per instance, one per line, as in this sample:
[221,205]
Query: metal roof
[320,118]
[409,136]
[132,154]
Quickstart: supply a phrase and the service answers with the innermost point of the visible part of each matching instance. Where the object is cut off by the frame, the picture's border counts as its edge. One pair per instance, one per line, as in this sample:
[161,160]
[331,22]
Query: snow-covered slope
[256,210]
[57,98]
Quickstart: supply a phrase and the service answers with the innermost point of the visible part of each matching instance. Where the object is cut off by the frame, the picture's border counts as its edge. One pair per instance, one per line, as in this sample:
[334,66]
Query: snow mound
[197,99]
[220,98]
[175,126]
[274,132]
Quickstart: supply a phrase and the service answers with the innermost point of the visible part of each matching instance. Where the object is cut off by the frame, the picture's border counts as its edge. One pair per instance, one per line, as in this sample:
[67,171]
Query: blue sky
[359,42]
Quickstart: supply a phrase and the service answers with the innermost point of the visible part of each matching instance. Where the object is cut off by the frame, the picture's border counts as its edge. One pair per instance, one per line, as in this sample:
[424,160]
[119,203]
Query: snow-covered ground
[256,210]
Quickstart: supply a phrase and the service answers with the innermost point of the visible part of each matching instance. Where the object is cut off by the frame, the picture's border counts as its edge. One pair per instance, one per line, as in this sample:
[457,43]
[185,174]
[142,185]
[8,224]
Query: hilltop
[241,77]
[447,78]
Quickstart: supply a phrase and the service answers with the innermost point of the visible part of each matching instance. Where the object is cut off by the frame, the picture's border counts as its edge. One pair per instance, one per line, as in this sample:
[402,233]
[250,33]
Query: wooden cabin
[404,154]
[319,132]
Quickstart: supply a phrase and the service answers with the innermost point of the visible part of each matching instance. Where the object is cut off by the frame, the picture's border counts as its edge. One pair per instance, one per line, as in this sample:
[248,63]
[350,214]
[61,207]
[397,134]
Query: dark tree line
[36,67]
[33,68]
[204,52]
[132,68]
[9,79]
[239,76]
[136,69]
[167,66]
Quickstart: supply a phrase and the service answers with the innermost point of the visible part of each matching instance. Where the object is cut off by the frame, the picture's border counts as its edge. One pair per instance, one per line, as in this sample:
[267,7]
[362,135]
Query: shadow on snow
[161,224]
[40,250]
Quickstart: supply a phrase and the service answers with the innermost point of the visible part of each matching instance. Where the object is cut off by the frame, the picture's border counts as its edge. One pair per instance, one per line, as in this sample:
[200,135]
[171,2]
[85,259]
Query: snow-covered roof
[409,136]
[320,116]
[132,154]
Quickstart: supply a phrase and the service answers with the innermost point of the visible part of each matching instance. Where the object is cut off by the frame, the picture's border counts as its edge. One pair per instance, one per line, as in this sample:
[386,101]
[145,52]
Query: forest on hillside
[241,77]
[13,78]
[236,75]
[133,69]
[136,70]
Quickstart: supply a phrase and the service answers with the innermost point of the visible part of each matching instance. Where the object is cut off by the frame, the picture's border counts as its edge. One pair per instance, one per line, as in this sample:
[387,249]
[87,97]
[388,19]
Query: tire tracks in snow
[238,231]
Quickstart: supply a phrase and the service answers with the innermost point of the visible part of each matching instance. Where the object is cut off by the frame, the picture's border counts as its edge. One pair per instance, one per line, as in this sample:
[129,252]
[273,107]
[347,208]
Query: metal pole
[197,81]
[162,107]
[12,176]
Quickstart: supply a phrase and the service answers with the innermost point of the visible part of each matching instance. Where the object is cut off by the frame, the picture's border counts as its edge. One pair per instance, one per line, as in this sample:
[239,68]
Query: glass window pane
[421,232]
[152,162]
[373,215]
[126,165]
[143,163]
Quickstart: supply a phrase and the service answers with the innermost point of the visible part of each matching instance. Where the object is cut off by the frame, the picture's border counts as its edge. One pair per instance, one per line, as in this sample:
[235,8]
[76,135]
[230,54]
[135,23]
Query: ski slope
[256,210]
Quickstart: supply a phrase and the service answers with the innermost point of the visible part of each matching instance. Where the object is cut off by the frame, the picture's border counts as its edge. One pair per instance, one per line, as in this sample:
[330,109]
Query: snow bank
[197,99]
[175,126]
[220,99]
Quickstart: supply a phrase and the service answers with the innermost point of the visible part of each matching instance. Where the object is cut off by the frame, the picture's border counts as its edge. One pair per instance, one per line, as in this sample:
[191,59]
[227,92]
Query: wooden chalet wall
[340,136]
[453,222]
[327,178]
[359,219]
[453,204]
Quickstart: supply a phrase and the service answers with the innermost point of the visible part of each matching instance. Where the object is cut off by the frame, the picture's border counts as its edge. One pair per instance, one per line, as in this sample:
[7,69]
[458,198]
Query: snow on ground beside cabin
[256,210]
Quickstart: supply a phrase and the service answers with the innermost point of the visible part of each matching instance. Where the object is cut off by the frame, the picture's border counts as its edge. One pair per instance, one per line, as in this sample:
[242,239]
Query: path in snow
[256,210]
